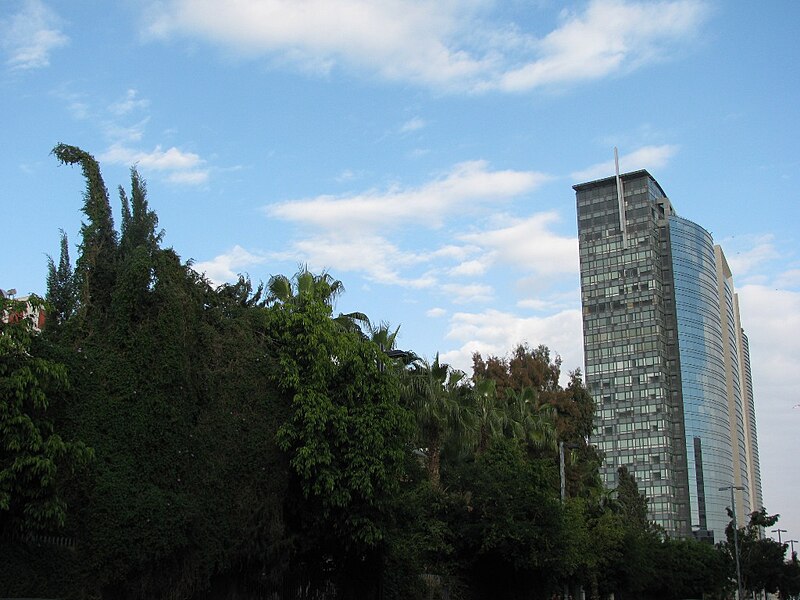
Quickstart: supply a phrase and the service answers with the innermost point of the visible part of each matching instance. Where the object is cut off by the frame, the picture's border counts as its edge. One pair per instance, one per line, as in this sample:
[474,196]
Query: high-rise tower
[666,359]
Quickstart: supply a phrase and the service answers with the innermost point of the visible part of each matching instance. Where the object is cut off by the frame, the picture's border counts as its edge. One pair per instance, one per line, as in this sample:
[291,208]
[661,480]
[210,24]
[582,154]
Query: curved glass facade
[702,347]
[666,357]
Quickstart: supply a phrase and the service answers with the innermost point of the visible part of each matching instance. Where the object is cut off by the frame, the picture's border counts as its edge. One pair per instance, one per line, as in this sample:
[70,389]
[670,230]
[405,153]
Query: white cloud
[31,35]
[435,313]
[646,157]
[188,177]
[227,267]
[467,186]
[375,257]
[611,36]
[530,244]
[543,297]
[788,279]
[414,124]
[183,167]
[122,134]
[771,319]
[469,293]
[129,103]
[347,175]
[470,268]
[399,40]
[158,159]
[493,332]
[748,254]
[439,43]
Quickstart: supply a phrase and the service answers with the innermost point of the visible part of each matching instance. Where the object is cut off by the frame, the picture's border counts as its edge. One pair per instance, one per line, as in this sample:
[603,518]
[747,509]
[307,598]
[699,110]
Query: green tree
[305,286]
[61,292]
[347,439]
[96,267]
[139,223]
[34,458]
[490,415]
[530,421]
[512,531]
[441,403]
[789,585]
[761,559]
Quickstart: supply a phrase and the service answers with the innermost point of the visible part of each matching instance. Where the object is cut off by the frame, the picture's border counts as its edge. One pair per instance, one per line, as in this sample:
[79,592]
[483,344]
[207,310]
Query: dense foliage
[165,438]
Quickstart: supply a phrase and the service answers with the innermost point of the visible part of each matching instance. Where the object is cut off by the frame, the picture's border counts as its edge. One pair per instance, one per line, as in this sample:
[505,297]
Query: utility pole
[791,543]
[735,536]
[779,531]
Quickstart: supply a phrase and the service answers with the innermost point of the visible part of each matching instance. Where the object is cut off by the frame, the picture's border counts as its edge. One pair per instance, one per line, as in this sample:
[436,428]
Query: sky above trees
[422,152]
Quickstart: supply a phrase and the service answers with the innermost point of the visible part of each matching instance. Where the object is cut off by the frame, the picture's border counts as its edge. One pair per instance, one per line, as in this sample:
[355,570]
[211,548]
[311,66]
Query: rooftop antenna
[621,201]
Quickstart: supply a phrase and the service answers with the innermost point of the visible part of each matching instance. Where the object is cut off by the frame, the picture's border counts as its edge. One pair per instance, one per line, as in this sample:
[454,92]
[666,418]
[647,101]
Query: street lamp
[792,543]
[735,536]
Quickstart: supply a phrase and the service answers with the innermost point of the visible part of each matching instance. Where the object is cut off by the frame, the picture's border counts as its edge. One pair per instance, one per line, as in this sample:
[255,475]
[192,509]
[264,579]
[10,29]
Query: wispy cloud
[468,293]
[467,186]
[748,255]
[414,124]
[609,37]
[434,42]
[128,103]
[646,157]
[30,36]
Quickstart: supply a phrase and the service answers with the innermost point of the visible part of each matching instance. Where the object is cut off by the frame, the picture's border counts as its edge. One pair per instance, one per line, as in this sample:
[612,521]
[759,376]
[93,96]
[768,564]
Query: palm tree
[305,286]
[529,421]
[439,399]
[490,416]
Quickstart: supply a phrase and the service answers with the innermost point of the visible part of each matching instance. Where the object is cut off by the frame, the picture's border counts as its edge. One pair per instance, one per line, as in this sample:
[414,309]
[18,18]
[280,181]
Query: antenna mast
[621,201]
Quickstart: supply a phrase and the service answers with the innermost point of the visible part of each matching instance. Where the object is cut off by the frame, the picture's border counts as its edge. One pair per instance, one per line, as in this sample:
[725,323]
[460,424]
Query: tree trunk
[434,462]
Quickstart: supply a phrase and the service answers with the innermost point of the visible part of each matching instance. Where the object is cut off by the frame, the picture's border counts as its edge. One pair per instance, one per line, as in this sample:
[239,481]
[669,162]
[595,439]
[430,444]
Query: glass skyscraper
[666,359]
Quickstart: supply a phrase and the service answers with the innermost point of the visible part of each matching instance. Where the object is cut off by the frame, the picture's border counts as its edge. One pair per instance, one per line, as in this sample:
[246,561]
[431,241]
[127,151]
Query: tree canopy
[186,440]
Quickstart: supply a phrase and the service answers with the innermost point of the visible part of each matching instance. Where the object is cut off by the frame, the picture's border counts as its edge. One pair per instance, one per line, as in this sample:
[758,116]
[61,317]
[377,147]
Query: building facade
[666,359]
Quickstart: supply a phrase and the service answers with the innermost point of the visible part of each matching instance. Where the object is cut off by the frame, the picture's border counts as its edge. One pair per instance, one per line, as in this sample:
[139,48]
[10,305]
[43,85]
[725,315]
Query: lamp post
[791,543]
[735,536]
[779,531]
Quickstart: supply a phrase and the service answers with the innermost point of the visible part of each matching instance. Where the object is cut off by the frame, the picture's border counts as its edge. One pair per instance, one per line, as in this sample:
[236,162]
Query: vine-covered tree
[139,223]
[96,267]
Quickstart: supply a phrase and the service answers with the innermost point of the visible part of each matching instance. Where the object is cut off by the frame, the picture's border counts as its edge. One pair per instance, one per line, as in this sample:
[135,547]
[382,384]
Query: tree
[529,421]
[139,223]
[34,459]
[789,585]
[490,416]
[346,438]
[440,401]
[61,292]
[761,559]
[512,531]
[306,286]
[96,268]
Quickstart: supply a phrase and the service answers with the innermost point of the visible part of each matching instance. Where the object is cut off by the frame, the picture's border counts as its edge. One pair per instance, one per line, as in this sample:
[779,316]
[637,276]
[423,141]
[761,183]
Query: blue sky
[423,152]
